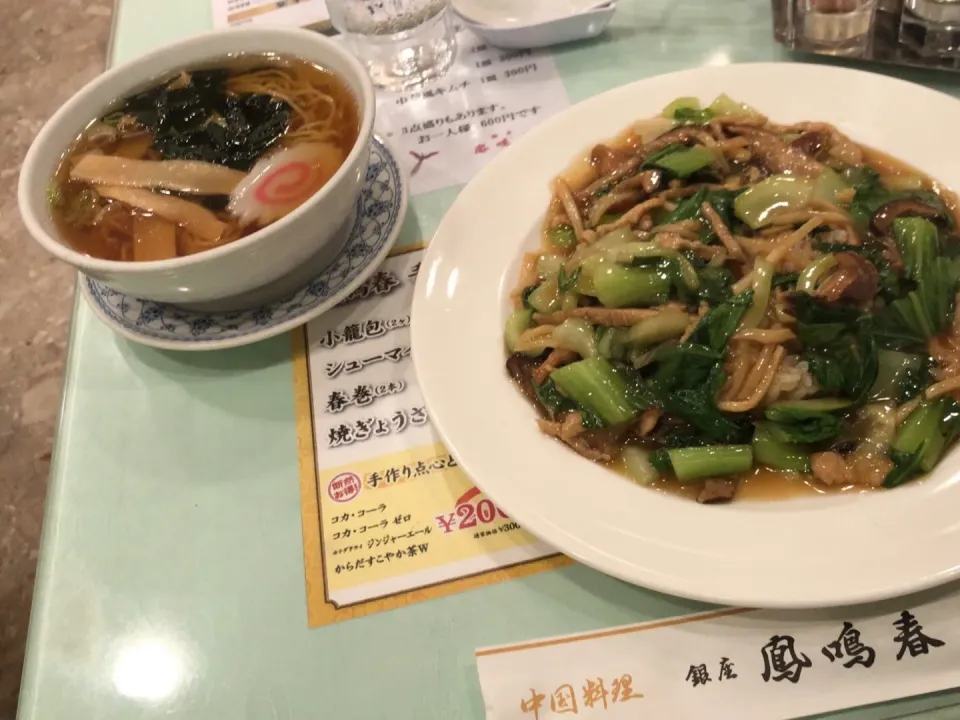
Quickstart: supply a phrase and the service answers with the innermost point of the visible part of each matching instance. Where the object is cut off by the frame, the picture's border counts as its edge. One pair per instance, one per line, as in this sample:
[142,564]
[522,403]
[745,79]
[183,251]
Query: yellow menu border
[320,612]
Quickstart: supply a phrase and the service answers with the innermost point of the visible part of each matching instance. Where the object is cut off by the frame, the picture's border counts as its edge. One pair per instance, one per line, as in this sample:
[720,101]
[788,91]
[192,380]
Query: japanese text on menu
[367,365]
[768,666]
[304,13]
[446,131]
[397,512]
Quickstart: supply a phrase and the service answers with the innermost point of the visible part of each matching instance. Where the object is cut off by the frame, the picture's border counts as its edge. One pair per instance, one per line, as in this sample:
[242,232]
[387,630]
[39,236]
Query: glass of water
[403,43]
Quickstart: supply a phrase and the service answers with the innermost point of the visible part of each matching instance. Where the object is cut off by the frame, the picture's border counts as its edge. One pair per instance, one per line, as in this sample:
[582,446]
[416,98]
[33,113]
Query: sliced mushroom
[883,218]
[606,159]
[521,368]
[717,491]
[855,278]
[811,143]
[626,166]
[678,136]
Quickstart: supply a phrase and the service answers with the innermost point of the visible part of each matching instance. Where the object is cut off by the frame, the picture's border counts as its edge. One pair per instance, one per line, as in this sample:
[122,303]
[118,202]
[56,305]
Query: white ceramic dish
[248,263]
[547,33]
[318,285]
[515,13]
[813,552]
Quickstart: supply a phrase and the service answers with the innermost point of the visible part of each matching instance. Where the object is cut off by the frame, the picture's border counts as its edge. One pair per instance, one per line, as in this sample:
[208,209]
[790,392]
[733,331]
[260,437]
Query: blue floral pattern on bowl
[380,210]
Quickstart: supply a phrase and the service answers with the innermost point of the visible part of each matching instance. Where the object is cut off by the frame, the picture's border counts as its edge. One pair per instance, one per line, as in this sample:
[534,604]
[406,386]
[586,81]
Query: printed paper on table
[292,13]
[389,517]
[448,130]
[766,665]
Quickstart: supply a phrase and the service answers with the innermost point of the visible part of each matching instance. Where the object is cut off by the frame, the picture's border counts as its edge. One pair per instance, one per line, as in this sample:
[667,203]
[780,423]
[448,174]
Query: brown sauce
[761,484]
[889,166]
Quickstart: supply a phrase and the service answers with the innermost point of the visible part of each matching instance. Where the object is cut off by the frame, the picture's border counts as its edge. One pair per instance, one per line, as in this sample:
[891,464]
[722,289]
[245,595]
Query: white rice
[792,382]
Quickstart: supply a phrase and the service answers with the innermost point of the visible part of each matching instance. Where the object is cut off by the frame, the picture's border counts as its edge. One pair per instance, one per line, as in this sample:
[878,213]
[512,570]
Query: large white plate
[810,552]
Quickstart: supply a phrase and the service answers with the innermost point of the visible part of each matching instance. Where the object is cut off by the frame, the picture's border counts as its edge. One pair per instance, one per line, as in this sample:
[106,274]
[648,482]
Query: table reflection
[152,668]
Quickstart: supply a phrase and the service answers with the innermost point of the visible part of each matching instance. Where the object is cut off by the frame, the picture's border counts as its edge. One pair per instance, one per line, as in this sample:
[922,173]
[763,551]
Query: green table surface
[171,578]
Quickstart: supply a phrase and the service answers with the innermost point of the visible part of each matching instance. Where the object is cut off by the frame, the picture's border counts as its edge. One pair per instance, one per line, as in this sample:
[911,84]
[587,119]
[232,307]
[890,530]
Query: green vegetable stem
[664,325]
[921,439]
[562,237]
[683,162]
[518,321]
[758,204]
[618,286]
[690,464]
[775,453]
[595,385]
[636,462]
[918,243]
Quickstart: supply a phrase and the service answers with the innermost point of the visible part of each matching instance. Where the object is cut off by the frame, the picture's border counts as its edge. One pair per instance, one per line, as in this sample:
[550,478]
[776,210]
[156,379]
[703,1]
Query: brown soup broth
[321,106]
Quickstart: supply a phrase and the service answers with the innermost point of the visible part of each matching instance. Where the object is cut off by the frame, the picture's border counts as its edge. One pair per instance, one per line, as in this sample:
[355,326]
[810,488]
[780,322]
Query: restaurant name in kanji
[592,694]
[783,660]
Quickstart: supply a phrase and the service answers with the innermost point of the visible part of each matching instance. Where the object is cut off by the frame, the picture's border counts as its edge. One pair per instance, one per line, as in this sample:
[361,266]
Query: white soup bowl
[249,263]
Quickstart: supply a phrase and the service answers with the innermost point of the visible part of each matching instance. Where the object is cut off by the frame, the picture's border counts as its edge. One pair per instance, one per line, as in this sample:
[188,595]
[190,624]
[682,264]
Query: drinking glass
[784,27]
[403,43]
[931,28]
[837,27]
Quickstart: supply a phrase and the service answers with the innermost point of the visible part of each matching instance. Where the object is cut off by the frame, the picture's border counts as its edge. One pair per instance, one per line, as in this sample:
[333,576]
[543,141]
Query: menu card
[447,131]
[395,513]
[296,13]
[747,664]
[389,516]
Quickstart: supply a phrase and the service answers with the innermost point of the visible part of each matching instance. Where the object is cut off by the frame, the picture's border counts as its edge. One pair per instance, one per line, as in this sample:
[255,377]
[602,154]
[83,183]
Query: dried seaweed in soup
[202,121]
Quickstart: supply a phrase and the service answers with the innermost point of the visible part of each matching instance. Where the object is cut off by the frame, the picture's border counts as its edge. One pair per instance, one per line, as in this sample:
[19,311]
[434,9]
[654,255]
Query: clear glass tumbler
[931,28]
[836,27]
[403,43]
[784,27]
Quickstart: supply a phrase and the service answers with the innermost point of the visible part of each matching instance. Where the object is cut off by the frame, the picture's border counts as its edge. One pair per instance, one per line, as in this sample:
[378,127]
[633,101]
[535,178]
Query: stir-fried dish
[720,297]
